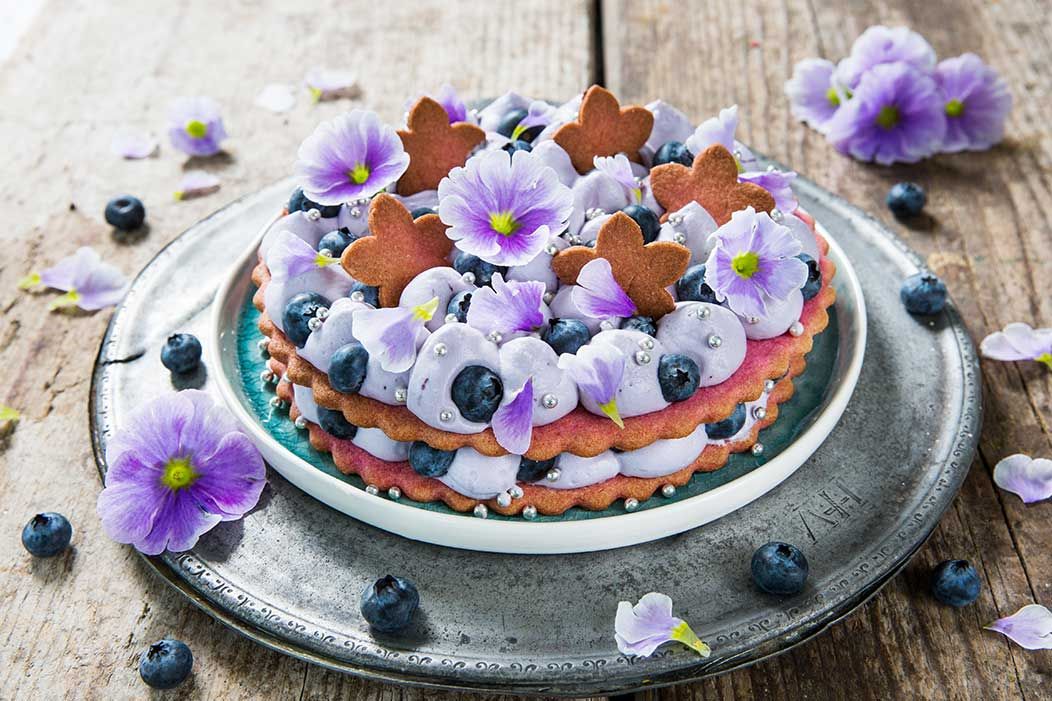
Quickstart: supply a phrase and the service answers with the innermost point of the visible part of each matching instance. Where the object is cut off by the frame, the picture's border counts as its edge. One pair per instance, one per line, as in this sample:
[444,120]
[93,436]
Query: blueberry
[923,293]
[458,305]
[477,392]
[814,277]
[534,470]
[779,568]
[955,583]
[483,271]
[565,335]
[906,199]
[421,211]
[428,461]
[298,313]
[640,323]
[692,288]
[729,426]
[518,145]
[347,368]
[125,213]
[333,422]
[510,121]
[673,152]
[166,664]
[388,604]
[336,242]
[47,534]
[181,353]
[678,377]
[370,294]
[647,220]
[299,202]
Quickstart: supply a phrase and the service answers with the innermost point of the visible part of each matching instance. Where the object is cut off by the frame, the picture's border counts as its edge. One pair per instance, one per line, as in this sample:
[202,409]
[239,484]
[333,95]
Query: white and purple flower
[1030,627]
[813,97]
[392,335]
[620,169]
[754,261]
[1019,342]
[976,102]
[1028,478]
[195,126]
[895,115]
[503,209]
[598,370]
[507,307]
[597,293]
[879,45]
[178,467]
[643,628]
[88,282]
[355,155]
[513,421]
[196,183]
[290,256]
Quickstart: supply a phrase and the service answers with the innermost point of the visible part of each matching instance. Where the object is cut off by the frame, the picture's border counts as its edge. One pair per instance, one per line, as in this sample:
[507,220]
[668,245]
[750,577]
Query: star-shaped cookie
[399,249]
[712,182]
[604,128]
[642,271]
[434,146]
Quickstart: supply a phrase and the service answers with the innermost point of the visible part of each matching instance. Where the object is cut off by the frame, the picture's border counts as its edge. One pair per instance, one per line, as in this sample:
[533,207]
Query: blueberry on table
[648,222]
[477,392]
[459,304]
[814,277]
[388,604]
[336,242]
[640,323]
[518,145]
[483,271]
[673,152]
[333,422]
[906,200]
[298,313]
[369,294]
[730,426]
[923,293]
[347,368]
[693,288]
[534,470]
[47,534]
[421,211]
[779,568]
[678,377]
[428,461]
[166,664]
[299,202]
[565,335]
[125,213]
[181,353]
[955,583]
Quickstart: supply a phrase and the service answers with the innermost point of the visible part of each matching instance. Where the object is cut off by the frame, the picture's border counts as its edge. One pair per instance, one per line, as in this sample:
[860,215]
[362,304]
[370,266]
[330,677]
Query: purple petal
[1029,627]
[451,103]
[777,183]
[177,525]
[232,478]
[507,307]
[715,130]
[290,256]
[127,508]
[620,169]
[133,144]
[390,335]
[539,114]
[96,284]
[597,293]
[276,97]
[641,629]
[196,183]
[597,369]
[881,45]
[1017,342]
[1028,478]
[809,92]
[66,274]
[331,84]
[513,421]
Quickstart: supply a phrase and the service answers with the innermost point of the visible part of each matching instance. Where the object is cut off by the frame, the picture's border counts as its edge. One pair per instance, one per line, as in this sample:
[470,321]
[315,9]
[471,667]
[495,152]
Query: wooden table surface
[73,627]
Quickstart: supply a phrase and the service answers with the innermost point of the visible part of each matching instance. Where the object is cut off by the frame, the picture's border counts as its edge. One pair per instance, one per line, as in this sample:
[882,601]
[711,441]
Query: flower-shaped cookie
[399,249]
[642,271]
[604,128]
[712,182]
[434,146]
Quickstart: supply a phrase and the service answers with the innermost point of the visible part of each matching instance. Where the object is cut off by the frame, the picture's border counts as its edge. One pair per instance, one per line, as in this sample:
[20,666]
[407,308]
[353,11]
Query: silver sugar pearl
[574,239]
[606,325]
[551,249]
[529,512]
[647,344]
[593,213]
[776,215]
[322,313]
[796,329]
[468,277]
[669,490]
[631,504]
[548,297]
[445,416]
[737,155]
[300,423]
[771,168]
[314,323]
[263,344]
[313,214]
[553,474]
[675,219]
[356,212]
[440,349]
[372,489]
[757,449]
[549,401]
[753,320]
[285,378]
[394,493]
[268,377]
[679,238]
[325,252]
[715,341]
[481,511]
[516,492]
[503,500]
[400,395]
[358,296]
[768,386]
[277,403]
[703,312]
[759,413]
[451,318]
[495,336]
[642,357]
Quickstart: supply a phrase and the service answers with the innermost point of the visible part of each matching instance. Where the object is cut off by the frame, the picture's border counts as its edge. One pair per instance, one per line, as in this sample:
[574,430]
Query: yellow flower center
[196,129]
[833,97]
[1046,359]
[954,108]
[178,474]
[888,117]
[425,311]
[503,223]
[610,409]
[359,173]
[745,264]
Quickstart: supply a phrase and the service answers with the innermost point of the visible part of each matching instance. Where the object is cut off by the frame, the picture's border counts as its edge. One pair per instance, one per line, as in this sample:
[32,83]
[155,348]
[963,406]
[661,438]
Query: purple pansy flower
[88,282]
[513,421]
[195,126]
[620,169]
[1019,342]
[354,155]
[643,628]
[1028,478]
[451,103]
[597,369]
[896,114]
[133,144]
[776,182]
[392,334]
[507,307]
[754,260]
[976,102]
[597,293]
[813,98]
[331,84]
[179,466]
[503,209]
[290,256]
[1029,627]
[879,45]
[196,183]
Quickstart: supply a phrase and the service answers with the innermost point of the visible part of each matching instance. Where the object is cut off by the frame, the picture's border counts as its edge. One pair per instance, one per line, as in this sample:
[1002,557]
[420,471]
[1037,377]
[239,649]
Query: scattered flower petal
[88,282]
[776,182]
[29,281]
[641,629]
[276,97]
[9,414]
[597,369]
[597,293]
[880,45]
[133,144]
[513,421]
[813,98]
[196,183]
[1019,342]
[392,335]
[178,466]
[1028,478]
[507,307]
[195,126]
[620,169]
[1029,627]
[976,102]
[329,84]
[355,155]
[290,256]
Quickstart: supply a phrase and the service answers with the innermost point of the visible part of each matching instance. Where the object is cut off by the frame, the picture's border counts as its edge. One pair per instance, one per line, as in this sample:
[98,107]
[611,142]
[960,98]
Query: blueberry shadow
[221,159]
[417,634]
[921,222]
[130,238]
[195,379]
